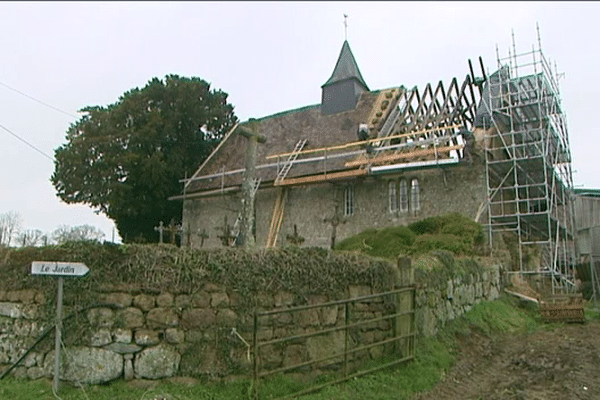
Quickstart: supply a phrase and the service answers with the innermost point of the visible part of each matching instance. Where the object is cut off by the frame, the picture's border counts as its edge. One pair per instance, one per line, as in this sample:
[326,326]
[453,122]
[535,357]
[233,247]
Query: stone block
[128,373]
[376,352]
[329,315]
[119,298]
[494,294]
[200,299]
[161,318]
[101,317]
[212,287]
[358,291]
[30,360]
[34,373]
[11,310]
[26,296]
[144,302]
[157,362]
[101,337]
[317,299]
[20,372]
[87,365]
[282,319]
[308,317]
[130,317]
[323,345]
[265,333]
[283,299]
[264,299]
[123,348]
[235,300]
[293,355]
[122,335]
[270,357]
[219,300]
[40,298]
[174,336]
[197,318]
[3,295]
[226,317]
[164,300]
[183,301]
[478,290]
[146,337]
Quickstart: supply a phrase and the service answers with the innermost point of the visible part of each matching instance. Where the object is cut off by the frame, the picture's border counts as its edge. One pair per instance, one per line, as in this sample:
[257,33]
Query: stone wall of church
[459,189]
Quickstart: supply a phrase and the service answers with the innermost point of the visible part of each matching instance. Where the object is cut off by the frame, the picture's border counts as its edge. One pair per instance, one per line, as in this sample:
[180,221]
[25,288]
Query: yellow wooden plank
[398,156]
[363,142]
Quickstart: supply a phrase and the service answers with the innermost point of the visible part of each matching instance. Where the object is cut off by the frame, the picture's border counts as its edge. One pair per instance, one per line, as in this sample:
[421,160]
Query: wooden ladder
[290,161]
[277,219]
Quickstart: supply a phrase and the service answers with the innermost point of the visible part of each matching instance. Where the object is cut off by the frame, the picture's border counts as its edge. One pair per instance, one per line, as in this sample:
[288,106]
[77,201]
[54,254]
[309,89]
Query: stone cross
[226,238]
[203,235]
[160,228]
[245,237]
[295,238]
[173,230]
[335,220]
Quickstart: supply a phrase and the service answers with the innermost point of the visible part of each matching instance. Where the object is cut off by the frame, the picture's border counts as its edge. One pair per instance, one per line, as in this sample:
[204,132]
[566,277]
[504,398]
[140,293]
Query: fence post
[405,323]
[347,317]
[255,355]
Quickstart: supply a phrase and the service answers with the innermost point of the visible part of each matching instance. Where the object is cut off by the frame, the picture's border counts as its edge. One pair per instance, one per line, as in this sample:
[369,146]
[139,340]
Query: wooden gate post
[405,303]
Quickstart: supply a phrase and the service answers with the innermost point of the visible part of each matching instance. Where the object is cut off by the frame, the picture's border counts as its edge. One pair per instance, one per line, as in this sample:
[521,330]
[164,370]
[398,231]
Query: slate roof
[345,68]
[282,132]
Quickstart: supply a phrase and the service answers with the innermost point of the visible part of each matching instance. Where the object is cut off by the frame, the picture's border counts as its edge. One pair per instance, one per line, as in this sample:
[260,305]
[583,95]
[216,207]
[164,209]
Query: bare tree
[81,233]
[30,237]
[10,225]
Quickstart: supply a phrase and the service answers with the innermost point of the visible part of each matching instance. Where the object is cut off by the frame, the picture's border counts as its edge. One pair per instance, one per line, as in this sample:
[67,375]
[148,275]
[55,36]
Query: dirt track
[562,364]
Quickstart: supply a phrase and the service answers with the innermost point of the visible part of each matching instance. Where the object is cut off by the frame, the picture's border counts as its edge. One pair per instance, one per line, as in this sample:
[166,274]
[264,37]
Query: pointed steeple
[342,89]
[346,68]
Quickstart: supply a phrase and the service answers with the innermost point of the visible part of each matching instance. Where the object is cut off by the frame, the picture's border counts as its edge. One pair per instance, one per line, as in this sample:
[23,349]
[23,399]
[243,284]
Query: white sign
[55,268]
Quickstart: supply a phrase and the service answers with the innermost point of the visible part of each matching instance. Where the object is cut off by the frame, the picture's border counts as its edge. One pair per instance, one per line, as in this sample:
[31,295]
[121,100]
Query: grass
[434,356]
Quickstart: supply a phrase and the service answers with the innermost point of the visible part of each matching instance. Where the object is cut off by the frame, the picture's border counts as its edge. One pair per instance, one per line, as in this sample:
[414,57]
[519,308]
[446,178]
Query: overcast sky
[269,57]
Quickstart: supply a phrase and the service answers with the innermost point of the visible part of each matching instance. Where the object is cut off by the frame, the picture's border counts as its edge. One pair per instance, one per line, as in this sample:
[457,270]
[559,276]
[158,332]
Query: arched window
[393,196]
[414,195]
[349,201]
[403,196]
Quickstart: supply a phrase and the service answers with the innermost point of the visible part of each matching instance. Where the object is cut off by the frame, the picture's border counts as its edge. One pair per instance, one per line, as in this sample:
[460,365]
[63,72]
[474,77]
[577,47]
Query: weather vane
[346,26]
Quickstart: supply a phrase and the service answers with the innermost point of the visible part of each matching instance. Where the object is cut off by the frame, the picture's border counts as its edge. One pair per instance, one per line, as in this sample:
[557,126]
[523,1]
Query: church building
[360,159]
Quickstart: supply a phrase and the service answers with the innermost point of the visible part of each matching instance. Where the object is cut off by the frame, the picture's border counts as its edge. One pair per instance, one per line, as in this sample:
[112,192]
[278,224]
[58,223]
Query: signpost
[59,270]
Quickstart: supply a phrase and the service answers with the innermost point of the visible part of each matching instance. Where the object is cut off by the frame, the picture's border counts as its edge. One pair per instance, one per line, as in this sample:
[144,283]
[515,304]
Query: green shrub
[429,225]
[426,243]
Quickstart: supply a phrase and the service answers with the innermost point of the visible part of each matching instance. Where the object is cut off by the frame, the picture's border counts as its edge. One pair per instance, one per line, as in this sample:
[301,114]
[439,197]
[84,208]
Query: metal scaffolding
[528,163]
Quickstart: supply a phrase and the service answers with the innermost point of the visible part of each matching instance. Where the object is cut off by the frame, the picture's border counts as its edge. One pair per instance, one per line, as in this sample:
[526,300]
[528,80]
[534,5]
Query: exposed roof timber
[337,155]
[363,142]
[399,156]
[326,177]
[215,151]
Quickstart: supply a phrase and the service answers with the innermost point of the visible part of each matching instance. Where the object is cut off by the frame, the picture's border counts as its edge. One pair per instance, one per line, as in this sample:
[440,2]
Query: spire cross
[345,26]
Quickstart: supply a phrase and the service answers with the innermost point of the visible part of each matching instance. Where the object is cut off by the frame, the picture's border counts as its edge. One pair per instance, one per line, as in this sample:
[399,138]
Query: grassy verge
[433,357]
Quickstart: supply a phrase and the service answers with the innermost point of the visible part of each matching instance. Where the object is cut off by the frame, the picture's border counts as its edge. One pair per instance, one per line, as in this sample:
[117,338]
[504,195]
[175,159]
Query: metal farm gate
[343,336]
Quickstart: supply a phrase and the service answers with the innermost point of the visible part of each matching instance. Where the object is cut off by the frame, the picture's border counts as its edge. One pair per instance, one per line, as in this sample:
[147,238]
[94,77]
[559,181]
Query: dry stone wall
[206,332]
[441,300]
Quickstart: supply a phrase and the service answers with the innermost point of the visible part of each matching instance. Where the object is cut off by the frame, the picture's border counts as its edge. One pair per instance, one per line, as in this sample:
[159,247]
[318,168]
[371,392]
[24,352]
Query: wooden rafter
[323,177]
[399,156]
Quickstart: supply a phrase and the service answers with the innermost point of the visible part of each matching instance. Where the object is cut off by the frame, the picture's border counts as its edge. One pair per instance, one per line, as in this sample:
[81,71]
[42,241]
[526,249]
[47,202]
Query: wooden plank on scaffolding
[277,218]
[398,156]
[363,142]
[323,177]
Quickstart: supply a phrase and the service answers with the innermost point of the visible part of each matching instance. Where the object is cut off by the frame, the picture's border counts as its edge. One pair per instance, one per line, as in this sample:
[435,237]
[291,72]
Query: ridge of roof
[282,113]
[345,68]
